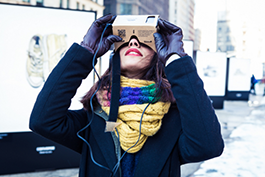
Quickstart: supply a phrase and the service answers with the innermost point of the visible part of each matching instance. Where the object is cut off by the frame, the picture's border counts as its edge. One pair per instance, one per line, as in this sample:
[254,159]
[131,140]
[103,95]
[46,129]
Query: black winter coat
[190,131]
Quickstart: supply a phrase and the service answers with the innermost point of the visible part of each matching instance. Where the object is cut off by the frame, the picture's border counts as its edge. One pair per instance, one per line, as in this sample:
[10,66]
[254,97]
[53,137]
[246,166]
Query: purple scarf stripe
[134,100]
[137,95]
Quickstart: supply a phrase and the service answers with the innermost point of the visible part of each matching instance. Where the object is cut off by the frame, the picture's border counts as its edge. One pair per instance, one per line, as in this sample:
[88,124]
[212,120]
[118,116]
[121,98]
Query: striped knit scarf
[134,97]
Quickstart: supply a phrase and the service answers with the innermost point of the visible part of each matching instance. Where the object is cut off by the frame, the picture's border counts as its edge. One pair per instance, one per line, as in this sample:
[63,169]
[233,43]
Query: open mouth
[133,52]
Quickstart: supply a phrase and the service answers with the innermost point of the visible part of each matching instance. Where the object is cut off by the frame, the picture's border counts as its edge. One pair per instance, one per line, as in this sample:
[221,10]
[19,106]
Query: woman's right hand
[91,40]
[168,41]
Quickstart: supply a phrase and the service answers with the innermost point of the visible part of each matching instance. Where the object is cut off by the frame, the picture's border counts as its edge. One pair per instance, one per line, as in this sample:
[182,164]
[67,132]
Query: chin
[131,69]
[129,66]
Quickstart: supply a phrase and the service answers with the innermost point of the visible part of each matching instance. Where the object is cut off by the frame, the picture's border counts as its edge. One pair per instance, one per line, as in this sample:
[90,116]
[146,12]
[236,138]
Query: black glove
[168,41]
[92,38]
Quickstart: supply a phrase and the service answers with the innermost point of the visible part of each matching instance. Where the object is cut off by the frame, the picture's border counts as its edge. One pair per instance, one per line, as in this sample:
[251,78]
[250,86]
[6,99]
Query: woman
[165,118]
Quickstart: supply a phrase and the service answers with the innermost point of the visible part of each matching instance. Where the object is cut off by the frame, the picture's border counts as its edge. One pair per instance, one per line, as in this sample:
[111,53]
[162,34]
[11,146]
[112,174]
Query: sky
[205,18]
[249,12]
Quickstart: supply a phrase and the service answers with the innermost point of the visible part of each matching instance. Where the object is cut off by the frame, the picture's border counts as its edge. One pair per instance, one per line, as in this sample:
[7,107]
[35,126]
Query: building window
[230,48]
[125,9]
[228,39]
[83,7]
[77,5]
[107,9]
[220,29]
[61,4]
[68,4]
[26,1]
[141,11]
[39,2]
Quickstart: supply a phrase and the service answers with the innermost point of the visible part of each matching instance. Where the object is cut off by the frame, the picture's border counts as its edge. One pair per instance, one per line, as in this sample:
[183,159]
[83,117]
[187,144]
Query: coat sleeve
[50,116]
[201,137]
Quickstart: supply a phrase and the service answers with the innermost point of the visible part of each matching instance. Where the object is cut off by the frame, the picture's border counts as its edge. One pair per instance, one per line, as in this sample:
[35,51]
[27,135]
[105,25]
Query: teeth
[133,53]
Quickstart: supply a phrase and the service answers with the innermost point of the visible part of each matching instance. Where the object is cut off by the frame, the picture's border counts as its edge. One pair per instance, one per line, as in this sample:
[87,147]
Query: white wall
[211,67]
[19,26]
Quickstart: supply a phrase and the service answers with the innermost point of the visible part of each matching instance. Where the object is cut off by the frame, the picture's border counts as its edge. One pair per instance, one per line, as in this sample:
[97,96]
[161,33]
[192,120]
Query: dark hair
[154,72]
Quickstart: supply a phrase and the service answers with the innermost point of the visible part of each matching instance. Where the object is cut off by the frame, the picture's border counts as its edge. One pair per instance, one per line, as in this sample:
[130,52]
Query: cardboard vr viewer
[141,26]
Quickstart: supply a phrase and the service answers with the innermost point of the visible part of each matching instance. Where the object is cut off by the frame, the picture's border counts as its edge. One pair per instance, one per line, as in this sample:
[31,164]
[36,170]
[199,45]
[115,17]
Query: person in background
[253,81]
[165,118]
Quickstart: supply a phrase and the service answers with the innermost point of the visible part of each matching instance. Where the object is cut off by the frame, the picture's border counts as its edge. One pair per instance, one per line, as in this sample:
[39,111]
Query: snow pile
[243,156]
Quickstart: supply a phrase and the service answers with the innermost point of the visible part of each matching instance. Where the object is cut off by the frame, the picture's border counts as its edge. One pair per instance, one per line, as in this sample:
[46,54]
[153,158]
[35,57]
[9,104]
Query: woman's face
[135,57]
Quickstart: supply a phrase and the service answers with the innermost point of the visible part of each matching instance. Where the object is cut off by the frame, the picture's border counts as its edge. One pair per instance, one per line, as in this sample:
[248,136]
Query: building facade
[239,33]
[137,7]
[225,39]
[197,40]
[181,13]
[16,2]
[95,5]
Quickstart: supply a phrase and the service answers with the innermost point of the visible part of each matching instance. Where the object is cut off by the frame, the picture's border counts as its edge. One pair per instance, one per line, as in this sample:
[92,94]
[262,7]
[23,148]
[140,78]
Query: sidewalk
[243,130]
[55,173]
[234,118]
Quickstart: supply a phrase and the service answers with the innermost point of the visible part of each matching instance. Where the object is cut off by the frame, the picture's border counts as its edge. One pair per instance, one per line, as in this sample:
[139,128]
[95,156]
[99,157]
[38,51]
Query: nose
[134,42]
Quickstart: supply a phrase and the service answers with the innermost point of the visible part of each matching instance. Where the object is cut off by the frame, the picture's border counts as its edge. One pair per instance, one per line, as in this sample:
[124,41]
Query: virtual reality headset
[141,26]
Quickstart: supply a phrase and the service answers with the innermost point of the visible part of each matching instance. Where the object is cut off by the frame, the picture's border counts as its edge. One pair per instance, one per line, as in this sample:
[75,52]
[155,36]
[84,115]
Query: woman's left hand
[168,41]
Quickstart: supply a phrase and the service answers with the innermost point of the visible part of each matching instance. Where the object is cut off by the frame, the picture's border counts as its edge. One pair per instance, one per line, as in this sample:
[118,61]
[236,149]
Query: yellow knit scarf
[129,117]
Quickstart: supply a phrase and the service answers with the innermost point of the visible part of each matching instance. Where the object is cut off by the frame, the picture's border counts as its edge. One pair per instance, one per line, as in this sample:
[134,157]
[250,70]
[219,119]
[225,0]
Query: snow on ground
[243,156]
